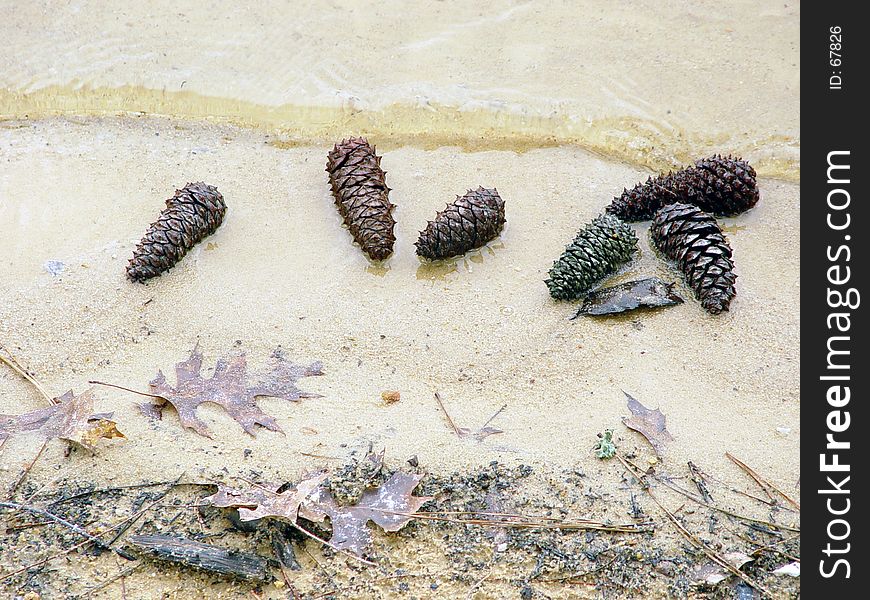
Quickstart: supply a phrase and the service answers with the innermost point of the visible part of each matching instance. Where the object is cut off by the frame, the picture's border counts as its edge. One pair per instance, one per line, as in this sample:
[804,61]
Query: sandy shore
[282,271]
[103,115]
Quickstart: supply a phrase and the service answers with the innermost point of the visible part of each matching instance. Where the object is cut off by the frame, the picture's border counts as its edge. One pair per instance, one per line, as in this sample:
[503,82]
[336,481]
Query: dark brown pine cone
[717,185]
[469,222]
[194,212]
[694,240]
[362,196]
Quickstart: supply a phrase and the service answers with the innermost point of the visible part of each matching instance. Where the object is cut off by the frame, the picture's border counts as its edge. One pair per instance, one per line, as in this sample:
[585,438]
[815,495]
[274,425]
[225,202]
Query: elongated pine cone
[717,185]
[362,196]
[694,240]
[194,212]
[469,222]
[597,251]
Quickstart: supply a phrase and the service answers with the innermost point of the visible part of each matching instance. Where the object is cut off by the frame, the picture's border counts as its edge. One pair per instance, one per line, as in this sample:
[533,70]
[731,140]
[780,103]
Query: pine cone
[469,222]
[362,196]
[194,212]
[597,251]
[693,239]
[718,185]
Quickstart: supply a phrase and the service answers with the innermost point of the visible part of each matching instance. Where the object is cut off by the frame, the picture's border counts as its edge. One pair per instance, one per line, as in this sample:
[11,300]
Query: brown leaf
[349,530]
[312,501]
[228,387]
[265,501]
[71,419]
[649,423]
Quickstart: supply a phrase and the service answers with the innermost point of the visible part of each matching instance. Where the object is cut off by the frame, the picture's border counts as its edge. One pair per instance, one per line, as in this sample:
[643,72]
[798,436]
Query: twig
[25,472]
[447,414]
[723,510]
[118,525]
[771,490]
[772,547]
[700,483]
[477,584]
[135,518]
[520,521]
[492,418]
[119,575]
[16,366]
[68,524]
[111,489]
[711,554]
[121,387]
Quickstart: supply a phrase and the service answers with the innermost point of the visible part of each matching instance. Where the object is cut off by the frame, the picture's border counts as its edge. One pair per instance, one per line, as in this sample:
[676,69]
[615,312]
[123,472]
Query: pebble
[55,267]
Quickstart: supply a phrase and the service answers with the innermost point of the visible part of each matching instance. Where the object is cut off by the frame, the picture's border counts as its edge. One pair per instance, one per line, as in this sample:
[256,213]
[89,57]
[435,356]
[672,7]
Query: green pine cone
[597,251]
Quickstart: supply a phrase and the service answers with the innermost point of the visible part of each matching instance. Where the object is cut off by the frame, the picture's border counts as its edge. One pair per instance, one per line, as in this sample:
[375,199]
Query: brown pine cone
[362,196]
[717,185]
[194,212]
[469,222]
[694,240]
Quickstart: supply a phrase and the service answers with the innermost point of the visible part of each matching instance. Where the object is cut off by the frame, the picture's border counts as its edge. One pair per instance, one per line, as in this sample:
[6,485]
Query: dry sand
[81,188]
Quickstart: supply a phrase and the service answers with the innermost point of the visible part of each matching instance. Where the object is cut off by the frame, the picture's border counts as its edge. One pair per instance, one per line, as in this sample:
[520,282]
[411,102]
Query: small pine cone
[597,251]
[194,212]
[362,196]
[469,222]
[717,185]
[693,239]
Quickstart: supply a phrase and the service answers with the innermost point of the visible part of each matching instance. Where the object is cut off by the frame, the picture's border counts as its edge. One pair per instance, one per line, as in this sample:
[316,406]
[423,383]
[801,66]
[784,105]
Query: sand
[83,175]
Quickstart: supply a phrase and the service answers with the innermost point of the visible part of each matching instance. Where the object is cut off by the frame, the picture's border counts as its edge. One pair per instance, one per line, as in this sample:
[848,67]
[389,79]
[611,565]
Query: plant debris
[462,432]
[605,448]
[643,293]
[712,573]
[390,397]
[649,423]
[700,482]
[390,506]
[792,569]
[228,387]
[205,557]
[71,419]
[348,483]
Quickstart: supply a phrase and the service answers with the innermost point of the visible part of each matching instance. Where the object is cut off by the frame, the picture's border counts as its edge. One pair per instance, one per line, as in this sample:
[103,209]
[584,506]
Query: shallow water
[103,113]
[652,83]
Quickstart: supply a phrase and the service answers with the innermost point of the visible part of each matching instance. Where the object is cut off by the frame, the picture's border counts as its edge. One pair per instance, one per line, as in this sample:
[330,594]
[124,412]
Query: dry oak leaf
[229,388]
[649,423]
[388,506]
[264,500]
[71,419]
